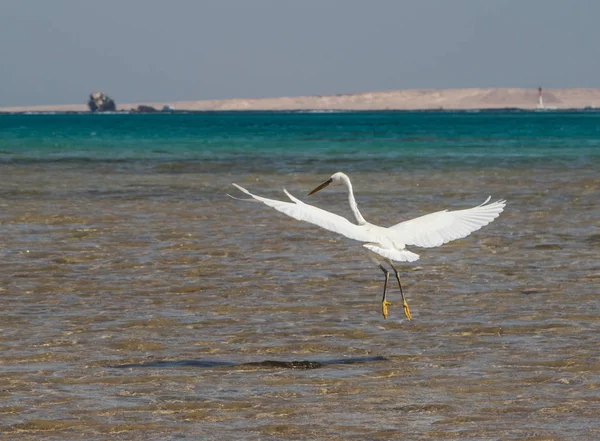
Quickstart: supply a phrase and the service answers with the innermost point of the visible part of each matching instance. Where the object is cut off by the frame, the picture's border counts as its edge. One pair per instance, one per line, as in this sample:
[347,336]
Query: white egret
[388,245]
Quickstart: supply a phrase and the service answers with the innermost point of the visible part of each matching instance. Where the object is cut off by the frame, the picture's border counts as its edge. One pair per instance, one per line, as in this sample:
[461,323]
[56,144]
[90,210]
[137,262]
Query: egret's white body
[387,245]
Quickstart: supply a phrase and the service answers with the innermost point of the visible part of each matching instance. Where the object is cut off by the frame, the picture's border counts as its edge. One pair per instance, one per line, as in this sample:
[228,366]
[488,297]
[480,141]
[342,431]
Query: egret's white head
[336,178]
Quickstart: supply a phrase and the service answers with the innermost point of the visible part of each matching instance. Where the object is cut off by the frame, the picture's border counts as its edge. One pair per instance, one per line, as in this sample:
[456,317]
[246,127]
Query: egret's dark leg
[384,302]
[406,310]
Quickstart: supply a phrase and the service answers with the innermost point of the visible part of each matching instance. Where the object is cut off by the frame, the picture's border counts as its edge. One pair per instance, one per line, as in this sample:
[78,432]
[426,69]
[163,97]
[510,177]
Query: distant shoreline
[304,111]
[479,99]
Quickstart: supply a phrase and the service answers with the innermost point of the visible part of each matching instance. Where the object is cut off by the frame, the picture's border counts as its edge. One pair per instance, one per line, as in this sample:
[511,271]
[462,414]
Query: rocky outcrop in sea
[100,102]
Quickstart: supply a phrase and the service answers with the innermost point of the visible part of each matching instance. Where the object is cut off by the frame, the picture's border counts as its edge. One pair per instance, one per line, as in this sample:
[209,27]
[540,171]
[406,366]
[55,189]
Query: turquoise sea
[294,142]
[139,301]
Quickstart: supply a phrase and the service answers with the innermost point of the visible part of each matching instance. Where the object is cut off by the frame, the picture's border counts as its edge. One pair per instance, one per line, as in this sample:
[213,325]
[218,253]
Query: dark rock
[145,109]
[100,102]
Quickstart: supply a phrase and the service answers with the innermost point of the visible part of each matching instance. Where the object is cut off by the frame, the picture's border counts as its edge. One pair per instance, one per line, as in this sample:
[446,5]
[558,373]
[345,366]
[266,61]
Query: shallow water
[138,301]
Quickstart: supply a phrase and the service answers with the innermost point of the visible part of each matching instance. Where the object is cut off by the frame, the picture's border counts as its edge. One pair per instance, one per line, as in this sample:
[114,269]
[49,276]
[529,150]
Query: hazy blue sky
[58,51]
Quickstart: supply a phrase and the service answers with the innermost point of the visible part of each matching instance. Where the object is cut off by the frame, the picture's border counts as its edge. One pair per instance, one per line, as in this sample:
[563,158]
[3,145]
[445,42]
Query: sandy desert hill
[409,99]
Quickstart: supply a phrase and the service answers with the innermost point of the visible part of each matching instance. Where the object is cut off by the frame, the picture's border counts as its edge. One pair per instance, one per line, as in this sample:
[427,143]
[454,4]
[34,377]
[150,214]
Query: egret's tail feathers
[392,254]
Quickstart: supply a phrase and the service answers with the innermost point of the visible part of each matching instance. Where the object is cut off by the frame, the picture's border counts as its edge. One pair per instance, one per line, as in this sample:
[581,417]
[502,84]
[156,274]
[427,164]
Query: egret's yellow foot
[406,311]
[384,305]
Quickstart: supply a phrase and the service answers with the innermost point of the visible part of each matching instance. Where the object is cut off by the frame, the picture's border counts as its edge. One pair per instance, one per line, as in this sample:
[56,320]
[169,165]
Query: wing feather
[314,215]
[435,229]
[393,254]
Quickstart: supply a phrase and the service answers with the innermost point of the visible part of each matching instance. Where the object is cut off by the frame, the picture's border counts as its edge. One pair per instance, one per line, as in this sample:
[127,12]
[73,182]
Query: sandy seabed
[151,306]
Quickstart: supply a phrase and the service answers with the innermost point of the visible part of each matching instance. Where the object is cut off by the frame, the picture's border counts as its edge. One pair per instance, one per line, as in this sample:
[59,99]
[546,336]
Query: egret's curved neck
[353,206]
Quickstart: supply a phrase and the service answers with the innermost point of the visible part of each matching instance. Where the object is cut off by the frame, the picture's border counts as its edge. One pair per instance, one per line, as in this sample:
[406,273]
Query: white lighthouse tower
[540,99]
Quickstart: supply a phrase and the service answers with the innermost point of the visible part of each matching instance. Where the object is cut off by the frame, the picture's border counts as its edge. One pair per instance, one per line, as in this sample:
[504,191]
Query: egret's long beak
[322,186]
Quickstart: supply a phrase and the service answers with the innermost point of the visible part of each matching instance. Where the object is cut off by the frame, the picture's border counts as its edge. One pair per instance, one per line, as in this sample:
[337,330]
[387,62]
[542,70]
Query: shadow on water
[266,364]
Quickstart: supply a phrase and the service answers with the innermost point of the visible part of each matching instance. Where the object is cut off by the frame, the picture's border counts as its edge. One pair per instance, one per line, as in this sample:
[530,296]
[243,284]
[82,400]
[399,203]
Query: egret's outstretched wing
[309,213]
[435,229]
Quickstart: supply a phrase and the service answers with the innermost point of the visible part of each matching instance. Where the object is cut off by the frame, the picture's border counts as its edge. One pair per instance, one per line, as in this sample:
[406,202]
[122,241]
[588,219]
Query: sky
[59,51]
